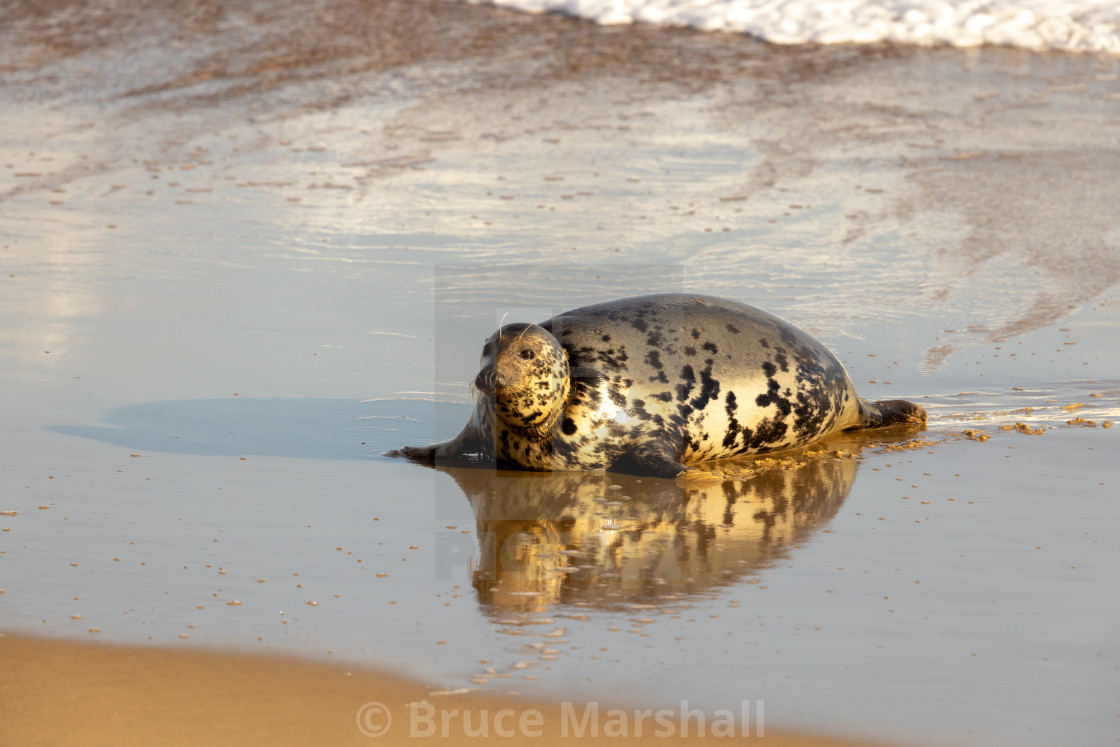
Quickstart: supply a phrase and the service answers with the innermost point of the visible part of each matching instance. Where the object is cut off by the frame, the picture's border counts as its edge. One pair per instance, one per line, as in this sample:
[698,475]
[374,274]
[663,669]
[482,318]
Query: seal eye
[528,354]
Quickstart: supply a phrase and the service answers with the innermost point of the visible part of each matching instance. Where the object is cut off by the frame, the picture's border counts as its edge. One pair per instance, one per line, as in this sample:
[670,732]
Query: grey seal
[651,384]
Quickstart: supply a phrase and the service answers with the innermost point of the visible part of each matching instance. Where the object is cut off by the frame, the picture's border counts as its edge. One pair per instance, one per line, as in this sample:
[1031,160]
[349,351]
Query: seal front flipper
[655,462]
[467,442]
[652,459]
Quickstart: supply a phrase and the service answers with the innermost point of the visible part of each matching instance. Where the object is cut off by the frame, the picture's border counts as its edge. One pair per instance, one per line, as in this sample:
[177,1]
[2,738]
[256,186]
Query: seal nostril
[486,381]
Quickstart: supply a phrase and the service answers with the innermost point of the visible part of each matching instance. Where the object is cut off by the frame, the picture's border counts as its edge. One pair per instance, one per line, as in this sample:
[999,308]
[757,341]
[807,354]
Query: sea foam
[1069,25]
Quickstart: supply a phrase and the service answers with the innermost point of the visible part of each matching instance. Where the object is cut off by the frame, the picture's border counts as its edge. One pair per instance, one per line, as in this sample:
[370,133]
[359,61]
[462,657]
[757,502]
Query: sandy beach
[67,693]
[246,250]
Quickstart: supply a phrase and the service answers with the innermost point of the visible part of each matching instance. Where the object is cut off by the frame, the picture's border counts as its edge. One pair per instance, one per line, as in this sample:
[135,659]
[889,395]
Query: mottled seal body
[654,383]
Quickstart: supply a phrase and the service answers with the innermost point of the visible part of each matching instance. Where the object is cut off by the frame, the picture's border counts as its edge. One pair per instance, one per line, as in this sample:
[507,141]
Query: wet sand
[66,693]
[244,253]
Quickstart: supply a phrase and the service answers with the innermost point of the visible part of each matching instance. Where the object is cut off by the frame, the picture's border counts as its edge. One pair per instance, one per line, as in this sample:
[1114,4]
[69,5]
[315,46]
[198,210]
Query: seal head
[525,376]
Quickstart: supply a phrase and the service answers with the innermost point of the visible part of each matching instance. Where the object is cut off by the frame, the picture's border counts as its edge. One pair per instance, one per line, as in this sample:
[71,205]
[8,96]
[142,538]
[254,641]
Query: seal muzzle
[487,380]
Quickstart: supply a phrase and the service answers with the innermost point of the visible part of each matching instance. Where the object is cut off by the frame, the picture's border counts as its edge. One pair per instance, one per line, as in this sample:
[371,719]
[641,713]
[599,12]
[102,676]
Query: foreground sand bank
[73,693]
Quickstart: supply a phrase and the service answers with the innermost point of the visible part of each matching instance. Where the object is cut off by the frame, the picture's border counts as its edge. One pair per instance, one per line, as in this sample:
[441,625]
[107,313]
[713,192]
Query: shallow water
[241,263]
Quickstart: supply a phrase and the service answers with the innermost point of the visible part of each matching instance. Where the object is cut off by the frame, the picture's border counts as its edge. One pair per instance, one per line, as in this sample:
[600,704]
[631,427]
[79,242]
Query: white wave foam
[1070,25]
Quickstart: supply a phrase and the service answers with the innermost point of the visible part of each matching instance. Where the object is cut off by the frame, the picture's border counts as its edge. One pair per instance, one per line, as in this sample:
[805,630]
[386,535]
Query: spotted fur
[654,383]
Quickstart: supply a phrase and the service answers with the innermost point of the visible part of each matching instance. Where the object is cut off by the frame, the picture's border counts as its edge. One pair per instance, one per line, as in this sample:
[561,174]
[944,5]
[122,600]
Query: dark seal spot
[688,381]
[709,388]
[612,358]
[569,427]
[773,397]
[733,426]
[769,432]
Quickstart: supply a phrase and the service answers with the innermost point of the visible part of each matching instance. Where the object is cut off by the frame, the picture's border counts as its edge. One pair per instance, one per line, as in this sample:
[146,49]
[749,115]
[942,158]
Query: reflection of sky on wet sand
[260,279]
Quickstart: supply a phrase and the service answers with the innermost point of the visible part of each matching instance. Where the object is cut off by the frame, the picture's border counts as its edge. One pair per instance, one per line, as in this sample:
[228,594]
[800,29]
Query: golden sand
[65,693]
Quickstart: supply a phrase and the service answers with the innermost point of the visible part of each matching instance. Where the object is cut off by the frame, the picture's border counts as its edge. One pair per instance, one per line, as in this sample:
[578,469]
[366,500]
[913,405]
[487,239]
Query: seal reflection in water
[602,540]
[654,383]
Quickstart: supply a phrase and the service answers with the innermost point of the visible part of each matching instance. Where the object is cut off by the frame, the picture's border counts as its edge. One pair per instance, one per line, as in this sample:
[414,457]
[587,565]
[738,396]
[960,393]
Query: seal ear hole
[528,354]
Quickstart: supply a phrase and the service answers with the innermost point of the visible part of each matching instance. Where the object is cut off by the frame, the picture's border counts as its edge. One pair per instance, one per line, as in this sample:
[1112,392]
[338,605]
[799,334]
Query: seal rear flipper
[890,412]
